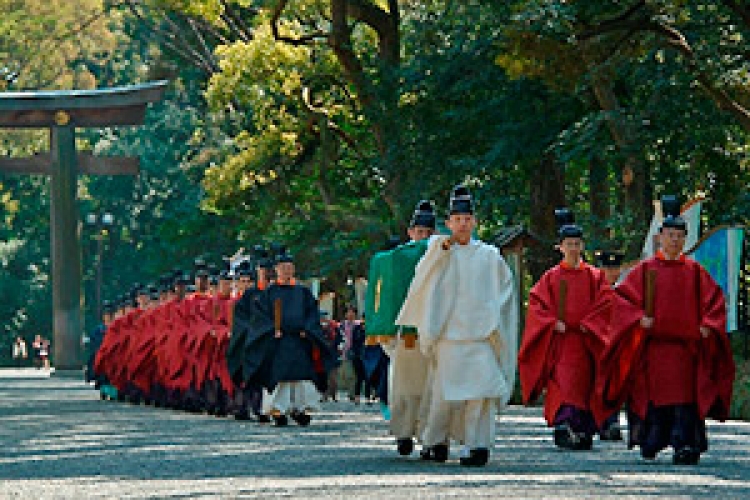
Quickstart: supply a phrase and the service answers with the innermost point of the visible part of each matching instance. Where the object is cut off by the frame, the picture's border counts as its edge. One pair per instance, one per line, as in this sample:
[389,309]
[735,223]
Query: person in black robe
[286,352]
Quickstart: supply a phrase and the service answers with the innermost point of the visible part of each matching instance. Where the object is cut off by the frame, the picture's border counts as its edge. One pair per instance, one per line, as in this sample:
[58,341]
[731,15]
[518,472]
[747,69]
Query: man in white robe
[463,303]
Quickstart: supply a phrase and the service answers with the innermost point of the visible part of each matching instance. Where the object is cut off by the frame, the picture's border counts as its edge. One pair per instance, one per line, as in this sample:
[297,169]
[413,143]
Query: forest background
[320,123]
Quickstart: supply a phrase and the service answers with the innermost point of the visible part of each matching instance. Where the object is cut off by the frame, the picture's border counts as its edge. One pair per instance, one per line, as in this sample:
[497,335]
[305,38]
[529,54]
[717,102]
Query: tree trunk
[599,200]
[547,191]
[380,103]
[634,202]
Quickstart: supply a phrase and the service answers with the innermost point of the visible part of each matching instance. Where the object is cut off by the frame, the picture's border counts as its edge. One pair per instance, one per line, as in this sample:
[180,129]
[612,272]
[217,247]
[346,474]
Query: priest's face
[225,287]
[571,248]
[143,301]
[285,271]
[461,226]
[243,283]
[419,233]
[672,241]
[612,274]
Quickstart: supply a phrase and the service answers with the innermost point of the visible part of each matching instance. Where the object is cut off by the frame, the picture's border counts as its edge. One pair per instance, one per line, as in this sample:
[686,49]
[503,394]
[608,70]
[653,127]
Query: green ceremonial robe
[388,282]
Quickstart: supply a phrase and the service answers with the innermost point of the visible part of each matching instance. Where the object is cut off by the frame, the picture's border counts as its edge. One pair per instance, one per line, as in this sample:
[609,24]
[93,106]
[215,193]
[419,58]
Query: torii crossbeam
[62,112]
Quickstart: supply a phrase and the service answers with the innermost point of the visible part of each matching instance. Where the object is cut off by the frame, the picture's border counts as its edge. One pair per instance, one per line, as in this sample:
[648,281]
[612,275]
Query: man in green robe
[391,273]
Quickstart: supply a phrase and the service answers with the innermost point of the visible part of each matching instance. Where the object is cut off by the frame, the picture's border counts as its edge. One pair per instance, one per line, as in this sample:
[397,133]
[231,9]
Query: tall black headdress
[566,224]
[424,215]
[226,269]
[392,242]
[260,254]
[281,253]
[461,201]
[608,258]
[201,268]
[670,207]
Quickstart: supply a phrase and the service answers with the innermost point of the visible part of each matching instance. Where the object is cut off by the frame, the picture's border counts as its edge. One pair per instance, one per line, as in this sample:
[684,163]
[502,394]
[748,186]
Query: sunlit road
[58,440]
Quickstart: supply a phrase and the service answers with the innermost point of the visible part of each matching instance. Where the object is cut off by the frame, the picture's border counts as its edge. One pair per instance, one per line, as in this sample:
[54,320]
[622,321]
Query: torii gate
[62,112]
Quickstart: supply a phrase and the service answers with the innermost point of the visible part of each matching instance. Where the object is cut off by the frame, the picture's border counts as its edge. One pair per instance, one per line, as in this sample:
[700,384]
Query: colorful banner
[691,212]
[721,254]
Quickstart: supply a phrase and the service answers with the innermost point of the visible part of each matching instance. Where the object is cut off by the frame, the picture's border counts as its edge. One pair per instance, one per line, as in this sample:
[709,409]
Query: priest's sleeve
[537,338]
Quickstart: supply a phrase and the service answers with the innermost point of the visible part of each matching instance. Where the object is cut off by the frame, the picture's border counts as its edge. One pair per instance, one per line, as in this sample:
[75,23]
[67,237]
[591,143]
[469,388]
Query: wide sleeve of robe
[621,345]
[716,368]
[537,338]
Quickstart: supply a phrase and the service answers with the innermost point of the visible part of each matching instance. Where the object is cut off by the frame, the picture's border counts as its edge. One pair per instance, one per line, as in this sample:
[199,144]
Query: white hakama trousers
[408,385]
[469,422]
[466,388]
[289,397]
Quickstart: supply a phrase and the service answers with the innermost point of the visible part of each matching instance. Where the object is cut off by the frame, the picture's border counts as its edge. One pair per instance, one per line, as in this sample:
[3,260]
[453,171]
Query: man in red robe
[218,386]
[667,352]
[175,373]
[568,312]
[610,262]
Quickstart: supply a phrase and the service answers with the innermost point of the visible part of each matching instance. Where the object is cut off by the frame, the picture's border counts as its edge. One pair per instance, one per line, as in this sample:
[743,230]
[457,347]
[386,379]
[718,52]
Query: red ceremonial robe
[218,370]
[177,369]
[109,358]
[564,363]
[105,360]
[202,342]
[671,363]
[143,363]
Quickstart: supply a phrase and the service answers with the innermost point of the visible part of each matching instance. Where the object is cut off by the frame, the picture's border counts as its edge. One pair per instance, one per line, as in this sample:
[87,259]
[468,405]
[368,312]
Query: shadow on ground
[57,436]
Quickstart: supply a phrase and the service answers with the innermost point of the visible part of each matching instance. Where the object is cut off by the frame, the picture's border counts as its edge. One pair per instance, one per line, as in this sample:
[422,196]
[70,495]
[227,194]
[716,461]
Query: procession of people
[442,342]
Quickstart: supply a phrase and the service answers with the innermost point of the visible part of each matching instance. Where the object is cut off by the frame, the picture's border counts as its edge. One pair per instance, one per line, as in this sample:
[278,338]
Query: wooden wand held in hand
[447,244]
[650,292]
[562,300]
[277,317]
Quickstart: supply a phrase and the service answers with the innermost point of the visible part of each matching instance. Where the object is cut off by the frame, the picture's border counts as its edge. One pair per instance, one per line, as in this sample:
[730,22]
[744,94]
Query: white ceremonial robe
[408,385]
[289,397]
[463,303]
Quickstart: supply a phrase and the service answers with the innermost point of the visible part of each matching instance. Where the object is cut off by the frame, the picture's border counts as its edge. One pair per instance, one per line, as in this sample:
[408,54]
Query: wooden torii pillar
[62,112]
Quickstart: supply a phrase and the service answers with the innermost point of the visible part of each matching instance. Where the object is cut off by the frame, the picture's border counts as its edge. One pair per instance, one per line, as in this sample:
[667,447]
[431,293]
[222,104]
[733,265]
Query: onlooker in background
[41,352]
[353,333]
[333,336]
[20,352]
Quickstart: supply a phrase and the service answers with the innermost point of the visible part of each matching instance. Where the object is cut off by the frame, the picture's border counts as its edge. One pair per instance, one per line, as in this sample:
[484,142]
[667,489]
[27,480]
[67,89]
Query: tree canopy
[321,123]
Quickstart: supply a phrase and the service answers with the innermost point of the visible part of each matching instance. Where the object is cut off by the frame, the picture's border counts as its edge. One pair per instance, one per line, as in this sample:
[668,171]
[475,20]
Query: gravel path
[59,441]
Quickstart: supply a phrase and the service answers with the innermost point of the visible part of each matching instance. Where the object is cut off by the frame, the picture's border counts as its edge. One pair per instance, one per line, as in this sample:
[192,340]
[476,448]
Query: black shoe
[437,453]
[478,457]
[566,438]
[264,419]
[405,446]
[611,433]
[280,420]
[302,418]
[687,455]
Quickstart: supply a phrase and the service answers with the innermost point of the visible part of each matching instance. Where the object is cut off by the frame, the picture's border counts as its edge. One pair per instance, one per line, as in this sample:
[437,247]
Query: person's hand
[277,334]
[705,331]
[560,326]
[302,334]
[647,322]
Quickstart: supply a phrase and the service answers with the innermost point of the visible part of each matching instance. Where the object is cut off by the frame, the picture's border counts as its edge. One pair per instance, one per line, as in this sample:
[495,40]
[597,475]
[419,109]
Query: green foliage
[324,139]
